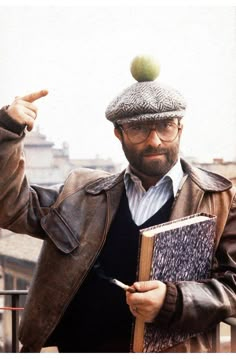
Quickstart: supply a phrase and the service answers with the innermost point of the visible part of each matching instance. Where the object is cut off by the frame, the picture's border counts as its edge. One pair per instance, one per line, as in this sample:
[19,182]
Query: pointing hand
[23,110]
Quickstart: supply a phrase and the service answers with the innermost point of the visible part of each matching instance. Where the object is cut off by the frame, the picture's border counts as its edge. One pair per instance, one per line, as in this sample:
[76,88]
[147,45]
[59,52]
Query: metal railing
[15,300]
[14,307]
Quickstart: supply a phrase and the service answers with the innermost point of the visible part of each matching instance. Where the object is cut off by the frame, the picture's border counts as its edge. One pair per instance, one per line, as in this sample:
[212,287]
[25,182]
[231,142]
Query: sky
[81,52]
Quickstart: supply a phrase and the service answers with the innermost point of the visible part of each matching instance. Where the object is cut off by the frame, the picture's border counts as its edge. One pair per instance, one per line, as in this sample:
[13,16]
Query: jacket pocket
[59,232]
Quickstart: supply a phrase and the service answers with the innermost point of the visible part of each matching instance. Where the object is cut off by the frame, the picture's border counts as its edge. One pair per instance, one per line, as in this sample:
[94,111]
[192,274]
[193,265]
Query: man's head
[147,119]
[151,148]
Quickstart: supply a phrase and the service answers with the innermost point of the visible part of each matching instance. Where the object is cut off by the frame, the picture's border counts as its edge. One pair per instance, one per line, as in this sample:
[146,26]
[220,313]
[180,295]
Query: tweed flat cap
[148,100]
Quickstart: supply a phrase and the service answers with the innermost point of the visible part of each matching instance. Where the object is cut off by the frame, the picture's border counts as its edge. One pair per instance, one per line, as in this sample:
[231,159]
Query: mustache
[153,151]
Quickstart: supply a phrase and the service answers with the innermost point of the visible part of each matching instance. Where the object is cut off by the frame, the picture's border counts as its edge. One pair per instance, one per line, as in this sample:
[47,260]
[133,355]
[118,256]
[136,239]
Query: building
[18,255]
[47,165]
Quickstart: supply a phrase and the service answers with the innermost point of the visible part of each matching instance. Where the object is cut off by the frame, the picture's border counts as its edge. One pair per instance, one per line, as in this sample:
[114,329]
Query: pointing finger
[34,96]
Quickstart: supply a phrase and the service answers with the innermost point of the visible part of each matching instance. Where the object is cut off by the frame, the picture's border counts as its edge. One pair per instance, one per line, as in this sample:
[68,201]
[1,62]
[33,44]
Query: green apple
[145,68]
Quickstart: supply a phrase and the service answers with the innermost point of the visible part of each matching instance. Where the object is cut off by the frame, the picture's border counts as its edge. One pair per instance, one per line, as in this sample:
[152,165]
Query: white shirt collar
[175,174]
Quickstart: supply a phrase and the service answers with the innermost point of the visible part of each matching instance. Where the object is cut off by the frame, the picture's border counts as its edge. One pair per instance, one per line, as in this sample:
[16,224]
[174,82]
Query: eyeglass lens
[167,131]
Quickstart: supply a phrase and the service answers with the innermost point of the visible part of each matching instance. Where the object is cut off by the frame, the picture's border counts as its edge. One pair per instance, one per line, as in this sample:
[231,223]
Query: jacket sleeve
[21,205]
[200,306]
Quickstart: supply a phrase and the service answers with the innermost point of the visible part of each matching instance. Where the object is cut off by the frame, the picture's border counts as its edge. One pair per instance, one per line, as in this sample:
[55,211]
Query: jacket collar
[105,183]
[207,181]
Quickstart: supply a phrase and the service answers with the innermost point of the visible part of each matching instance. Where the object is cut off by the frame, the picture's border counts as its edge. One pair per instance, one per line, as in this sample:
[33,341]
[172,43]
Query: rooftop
[20,246]
[35,138]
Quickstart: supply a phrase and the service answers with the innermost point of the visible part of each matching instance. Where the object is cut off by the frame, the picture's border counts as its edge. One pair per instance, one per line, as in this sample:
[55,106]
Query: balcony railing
[14,308]
[15,300]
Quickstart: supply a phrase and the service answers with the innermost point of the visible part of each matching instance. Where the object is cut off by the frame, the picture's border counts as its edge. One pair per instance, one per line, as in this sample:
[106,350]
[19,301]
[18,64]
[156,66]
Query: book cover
[180,250]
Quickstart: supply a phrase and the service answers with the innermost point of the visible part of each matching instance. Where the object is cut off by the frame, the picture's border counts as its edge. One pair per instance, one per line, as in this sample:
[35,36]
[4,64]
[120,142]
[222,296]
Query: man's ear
[117,133]
[181,129]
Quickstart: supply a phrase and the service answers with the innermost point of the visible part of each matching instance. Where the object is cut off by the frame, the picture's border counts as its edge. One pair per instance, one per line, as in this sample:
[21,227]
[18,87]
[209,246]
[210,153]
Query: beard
[156,167]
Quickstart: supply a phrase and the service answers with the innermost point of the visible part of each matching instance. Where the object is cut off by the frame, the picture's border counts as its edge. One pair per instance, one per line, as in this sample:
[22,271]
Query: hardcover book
[179,250]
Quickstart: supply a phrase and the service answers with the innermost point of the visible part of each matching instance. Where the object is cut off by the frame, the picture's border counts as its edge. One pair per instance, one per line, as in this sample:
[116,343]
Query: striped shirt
[144,204]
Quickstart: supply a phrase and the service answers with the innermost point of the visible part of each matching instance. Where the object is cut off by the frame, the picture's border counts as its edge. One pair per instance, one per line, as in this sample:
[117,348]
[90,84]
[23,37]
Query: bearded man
[90,226]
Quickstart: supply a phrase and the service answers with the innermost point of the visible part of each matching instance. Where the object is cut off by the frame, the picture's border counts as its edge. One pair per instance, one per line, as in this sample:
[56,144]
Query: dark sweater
[98,318]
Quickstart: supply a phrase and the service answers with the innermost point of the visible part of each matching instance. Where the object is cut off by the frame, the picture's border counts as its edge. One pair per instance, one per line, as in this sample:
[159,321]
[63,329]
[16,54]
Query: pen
[122,285]
[100,272]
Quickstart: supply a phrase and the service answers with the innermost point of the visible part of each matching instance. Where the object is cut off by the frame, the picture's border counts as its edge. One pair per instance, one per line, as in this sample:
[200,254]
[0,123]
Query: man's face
[153,157]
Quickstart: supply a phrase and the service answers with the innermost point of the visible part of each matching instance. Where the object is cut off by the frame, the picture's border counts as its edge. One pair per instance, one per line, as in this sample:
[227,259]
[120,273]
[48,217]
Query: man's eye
[136,128]
[167,125]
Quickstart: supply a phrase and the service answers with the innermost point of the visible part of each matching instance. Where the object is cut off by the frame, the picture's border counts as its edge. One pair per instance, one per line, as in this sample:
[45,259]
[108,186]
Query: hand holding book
[180,250]
[148,299]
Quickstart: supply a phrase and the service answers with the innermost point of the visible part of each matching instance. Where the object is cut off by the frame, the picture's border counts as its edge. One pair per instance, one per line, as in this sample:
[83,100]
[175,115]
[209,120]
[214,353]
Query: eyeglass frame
[178,125]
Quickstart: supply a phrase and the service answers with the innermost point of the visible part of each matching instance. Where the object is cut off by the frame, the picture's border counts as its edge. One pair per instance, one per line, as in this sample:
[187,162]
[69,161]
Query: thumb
[146,285]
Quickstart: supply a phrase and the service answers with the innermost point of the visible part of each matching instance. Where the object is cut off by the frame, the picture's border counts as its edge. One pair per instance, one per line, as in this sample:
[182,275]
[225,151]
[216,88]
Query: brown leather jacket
[73,219]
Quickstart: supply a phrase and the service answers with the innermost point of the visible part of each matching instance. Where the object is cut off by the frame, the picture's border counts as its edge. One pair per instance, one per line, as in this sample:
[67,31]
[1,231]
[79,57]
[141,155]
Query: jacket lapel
[198,182]
[188,200]
[113,187]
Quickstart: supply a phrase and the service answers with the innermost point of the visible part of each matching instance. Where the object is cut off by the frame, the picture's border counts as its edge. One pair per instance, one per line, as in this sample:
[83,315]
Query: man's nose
[154,138]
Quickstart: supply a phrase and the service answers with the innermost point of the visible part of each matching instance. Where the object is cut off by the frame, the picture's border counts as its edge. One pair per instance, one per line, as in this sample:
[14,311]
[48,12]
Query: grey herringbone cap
[147,100]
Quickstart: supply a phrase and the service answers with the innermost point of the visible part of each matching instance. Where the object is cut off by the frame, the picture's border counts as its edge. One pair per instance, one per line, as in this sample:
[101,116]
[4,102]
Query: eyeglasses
[167,131]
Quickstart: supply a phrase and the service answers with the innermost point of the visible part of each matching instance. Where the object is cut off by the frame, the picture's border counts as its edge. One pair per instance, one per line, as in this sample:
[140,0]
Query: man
[90,227]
